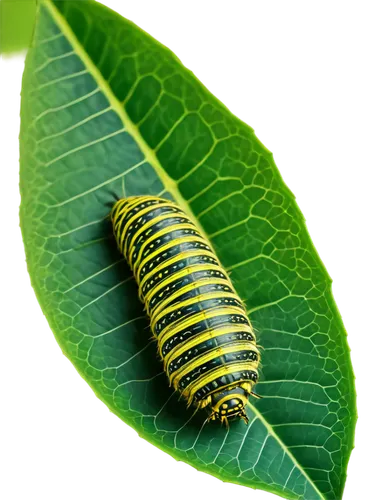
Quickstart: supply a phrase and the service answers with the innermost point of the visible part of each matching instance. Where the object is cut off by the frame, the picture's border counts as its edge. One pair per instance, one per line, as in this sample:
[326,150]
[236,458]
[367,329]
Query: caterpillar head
[228,405]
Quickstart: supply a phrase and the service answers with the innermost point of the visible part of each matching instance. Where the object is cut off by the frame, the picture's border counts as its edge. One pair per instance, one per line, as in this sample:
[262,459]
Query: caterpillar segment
[204,336]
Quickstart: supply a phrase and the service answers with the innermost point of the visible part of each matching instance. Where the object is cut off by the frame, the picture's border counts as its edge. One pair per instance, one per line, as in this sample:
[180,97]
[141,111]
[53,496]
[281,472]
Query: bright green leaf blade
[106,109]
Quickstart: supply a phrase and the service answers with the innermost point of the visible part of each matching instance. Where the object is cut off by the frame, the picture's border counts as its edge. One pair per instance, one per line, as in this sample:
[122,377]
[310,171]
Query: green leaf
[106,109]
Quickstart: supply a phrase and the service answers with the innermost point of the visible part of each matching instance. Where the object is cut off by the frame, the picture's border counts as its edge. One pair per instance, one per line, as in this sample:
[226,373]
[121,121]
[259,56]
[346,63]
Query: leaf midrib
[152,159]
[115,104]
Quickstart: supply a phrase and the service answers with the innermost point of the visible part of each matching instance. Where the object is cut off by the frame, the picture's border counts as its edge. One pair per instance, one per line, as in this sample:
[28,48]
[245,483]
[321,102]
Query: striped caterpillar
[204,337]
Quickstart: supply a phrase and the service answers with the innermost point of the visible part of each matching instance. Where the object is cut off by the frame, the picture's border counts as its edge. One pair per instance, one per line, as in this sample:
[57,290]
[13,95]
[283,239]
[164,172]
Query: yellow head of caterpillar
[229,404]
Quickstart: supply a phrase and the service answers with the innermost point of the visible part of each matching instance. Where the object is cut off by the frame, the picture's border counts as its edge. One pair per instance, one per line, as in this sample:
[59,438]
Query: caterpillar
[205,339]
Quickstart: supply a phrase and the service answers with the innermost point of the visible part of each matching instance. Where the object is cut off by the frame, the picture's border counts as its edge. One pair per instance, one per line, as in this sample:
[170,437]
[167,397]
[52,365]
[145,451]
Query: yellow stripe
[203,337]
[151,223]
[117,226]
[180,274]
[125,211]
[130,202]
[161,232]
[115,209]
[191,389]
[128,208]
[189,288]
[206,357]
[118,206]
[134,218]
[173,260]
[121,209]
[194,300]
[124,207]
[145,198]
[165,247]
[157,235]
[133,201]
[177,326]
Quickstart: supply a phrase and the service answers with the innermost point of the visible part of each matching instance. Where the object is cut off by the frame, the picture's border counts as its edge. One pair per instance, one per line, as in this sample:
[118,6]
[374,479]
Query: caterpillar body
[204,336]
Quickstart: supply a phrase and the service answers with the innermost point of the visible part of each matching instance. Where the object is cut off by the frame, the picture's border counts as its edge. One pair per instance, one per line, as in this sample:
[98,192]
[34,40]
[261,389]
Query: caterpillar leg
[224,420]
[248,388]
[244,417]
[204,402]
